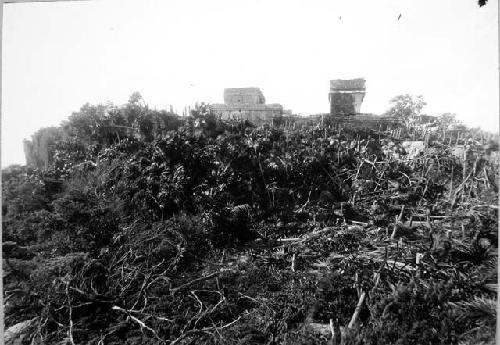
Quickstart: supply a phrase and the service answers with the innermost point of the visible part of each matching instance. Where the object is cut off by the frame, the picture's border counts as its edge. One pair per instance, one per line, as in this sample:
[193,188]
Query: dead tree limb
[355,316]
[361,301]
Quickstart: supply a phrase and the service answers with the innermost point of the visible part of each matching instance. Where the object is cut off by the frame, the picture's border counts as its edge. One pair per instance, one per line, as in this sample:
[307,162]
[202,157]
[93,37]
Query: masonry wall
[243,99]
[370,121]
[255,113]
[247,96]
[345,103]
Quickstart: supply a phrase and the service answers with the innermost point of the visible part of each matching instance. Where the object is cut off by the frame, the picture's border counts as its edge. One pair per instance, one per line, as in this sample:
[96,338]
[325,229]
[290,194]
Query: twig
[70,331]
[359,223]
[332,329]
[139,322]
[207,312]
[305,238]
[393,235]
[289,239]
[197,280]
[250,298]
[199,301]
[144,283]
[205,330]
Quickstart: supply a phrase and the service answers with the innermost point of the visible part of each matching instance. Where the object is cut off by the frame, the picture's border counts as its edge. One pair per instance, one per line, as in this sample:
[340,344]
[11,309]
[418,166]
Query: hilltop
[138,226]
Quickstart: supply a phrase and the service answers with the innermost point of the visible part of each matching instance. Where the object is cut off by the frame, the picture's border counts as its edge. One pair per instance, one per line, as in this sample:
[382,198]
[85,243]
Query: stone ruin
[246,96]
[346,96]
[246,104]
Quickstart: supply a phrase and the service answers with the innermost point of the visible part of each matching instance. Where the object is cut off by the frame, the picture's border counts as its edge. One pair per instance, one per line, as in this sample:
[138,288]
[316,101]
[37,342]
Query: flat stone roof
[348,84]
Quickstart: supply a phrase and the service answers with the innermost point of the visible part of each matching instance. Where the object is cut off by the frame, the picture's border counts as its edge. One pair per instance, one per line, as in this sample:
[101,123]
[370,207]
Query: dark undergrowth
[226,233]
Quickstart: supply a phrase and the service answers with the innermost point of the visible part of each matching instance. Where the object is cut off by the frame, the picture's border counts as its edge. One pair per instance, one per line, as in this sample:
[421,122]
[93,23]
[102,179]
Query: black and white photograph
[276,172]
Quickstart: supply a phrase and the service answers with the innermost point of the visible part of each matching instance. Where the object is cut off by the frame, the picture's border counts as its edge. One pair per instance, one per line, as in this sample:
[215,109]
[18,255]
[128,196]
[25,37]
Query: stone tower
[346,96]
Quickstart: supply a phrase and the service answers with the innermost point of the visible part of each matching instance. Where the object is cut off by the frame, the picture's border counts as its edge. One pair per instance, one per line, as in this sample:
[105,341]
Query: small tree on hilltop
[135,98]
[448,120]
[406,106]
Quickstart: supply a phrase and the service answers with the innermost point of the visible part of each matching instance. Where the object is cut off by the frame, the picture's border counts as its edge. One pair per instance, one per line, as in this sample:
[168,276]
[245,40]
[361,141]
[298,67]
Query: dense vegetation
[145,228]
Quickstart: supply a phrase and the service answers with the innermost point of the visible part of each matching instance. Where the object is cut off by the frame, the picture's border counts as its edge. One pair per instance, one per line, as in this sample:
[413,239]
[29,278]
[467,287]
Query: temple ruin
[246,104]
[346,96]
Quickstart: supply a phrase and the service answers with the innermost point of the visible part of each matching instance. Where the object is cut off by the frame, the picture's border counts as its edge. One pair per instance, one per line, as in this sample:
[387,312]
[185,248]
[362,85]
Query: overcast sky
[58,56]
